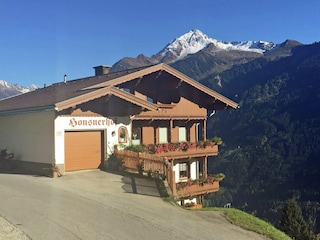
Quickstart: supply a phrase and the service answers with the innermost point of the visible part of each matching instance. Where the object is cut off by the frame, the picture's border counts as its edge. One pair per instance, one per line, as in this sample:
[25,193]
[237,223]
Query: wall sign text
[81,122]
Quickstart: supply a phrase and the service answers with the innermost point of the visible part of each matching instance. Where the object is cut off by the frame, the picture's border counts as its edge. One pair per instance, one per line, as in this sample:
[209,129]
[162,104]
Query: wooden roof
[160,82]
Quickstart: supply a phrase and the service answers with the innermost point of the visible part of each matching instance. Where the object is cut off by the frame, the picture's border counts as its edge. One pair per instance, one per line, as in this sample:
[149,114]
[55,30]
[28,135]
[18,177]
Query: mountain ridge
[8,89]
[195,40]
[191,47]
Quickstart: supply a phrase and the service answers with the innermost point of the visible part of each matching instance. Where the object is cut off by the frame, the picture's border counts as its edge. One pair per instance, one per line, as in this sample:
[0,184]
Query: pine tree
[292,222]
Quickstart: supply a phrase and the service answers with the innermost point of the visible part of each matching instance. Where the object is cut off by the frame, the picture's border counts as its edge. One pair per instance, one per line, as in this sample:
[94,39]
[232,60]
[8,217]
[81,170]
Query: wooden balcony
[157,162]
[190,153]
[162,152]
[190,189]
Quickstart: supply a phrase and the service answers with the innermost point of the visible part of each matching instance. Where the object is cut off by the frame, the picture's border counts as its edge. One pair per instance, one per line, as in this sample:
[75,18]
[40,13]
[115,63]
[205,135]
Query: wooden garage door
[83,150]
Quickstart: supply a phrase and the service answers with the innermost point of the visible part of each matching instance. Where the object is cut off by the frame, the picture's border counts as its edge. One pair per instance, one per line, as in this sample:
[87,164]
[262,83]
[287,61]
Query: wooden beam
[170,130]
[204,130]
[205,167]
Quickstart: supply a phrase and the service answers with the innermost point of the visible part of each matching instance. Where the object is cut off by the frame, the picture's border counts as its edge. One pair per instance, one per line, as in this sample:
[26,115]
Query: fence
[148,163]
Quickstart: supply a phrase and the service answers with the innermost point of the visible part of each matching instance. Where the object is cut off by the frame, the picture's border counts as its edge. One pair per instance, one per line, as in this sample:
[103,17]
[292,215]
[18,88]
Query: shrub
[219,175]
[114,162]
[217,140]
[136,148]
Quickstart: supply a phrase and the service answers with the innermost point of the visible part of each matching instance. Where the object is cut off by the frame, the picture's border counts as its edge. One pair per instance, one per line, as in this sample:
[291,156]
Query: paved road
[99,205]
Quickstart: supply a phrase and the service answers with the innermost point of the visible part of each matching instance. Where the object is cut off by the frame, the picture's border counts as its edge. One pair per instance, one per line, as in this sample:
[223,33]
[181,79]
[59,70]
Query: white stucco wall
[88,123]
[176,172]
[29,136]
[194,170]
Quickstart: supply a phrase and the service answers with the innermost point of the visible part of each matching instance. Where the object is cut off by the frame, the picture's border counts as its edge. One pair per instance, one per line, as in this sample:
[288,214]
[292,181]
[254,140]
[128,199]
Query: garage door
[83,150]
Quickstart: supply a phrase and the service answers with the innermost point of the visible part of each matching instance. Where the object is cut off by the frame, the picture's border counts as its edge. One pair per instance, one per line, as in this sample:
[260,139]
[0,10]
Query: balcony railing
[179,150]
[156,162]
[134,160]
[195,188]
[193,152]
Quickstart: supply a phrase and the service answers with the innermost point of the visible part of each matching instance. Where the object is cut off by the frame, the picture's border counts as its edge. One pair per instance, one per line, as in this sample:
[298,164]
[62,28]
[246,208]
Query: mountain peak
[193,37]
[195,40]
[4,83]
[8,89]
[188,43]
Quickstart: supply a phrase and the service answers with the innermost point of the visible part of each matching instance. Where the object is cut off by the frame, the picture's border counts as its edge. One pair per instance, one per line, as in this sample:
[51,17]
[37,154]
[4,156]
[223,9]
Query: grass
[251,223]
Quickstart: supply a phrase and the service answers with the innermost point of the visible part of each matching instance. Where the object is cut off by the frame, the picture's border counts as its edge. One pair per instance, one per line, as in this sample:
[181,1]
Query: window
[163,135]
[136,136]
[123,134]
[182,134]
[183,170]
[136,133]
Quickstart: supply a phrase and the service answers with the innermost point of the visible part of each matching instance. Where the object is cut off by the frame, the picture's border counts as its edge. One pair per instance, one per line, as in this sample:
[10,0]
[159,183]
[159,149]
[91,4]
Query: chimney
[101,70]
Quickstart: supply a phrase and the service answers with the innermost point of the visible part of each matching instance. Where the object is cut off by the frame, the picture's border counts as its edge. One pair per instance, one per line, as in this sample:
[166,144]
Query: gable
[184,109]
[166,85]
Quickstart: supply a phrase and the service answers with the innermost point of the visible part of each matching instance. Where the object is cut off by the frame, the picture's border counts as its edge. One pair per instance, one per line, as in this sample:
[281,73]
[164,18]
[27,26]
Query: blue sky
[41,40]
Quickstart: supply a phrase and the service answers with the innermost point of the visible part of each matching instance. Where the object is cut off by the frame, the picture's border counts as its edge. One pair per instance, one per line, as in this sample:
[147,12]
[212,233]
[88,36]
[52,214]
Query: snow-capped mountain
[196,44]
[195,40]
[8,89]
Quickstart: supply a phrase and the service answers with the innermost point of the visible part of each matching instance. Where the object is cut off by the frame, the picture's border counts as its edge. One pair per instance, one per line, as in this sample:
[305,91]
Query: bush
[219,175]
[136,148]
[217,140]
[114,163]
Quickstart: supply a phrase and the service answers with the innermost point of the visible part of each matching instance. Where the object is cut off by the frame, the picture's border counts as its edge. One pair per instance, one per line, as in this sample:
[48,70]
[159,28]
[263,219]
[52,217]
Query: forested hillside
[271,144]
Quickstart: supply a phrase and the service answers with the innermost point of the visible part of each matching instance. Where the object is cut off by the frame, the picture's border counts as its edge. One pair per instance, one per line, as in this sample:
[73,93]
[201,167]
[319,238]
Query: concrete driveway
[100,205]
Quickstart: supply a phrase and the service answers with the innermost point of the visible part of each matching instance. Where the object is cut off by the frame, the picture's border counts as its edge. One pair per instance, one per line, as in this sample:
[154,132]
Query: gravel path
[10,232]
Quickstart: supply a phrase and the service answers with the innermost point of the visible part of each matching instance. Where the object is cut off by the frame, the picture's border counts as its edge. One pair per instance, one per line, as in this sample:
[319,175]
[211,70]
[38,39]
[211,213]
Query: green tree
[292,222]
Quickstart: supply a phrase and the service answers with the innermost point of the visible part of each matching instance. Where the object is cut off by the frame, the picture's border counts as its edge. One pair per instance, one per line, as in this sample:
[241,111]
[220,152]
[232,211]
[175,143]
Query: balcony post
[201,199]
[173,182]
[204,167]
[155,135]
[204,130]
[170,130]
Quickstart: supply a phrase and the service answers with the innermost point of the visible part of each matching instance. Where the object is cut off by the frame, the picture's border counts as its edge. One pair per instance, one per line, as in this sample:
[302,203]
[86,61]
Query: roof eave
[229,103]
[27,110]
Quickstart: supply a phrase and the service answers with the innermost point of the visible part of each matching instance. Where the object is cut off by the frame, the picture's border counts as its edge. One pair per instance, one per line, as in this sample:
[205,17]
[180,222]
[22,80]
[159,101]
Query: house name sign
[90,122]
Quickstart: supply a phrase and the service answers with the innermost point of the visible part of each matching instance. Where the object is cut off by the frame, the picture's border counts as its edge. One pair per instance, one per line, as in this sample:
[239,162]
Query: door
[83,150]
